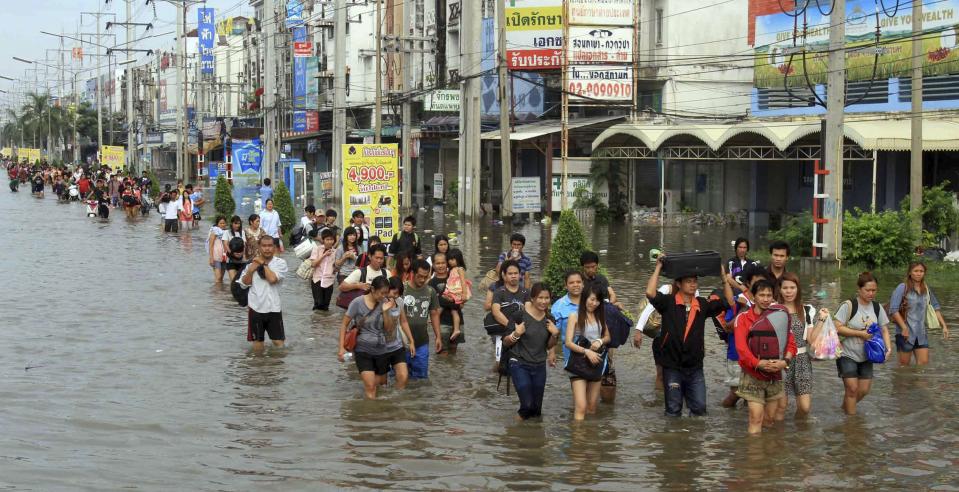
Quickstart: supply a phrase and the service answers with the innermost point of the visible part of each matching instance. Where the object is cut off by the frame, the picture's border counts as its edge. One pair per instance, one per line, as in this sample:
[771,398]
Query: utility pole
[180,83]
[469,149]
[406,44]
[915,159]
[505,106]
[99,45]
[131,161]
[378,114]
[339,99]
[564,112]
[271,150]
[832,153]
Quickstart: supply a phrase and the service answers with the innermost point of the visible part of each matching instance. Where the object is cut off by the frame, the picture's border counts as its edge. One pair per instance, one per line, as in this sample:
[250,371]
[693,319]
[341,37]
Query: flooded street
[125,367]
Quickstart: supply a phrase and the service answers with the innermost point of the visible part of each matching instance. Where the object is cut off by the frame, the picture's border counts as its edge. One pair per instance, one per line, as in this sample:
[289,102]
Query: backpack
[240,294]
[768,335]
[855,308]
[237,245]
[298,234]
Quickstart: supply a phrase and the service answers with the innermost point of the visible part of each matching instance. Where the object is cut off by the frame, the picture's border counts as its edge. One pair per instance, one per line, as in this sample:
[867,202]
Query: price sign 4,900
[370,173]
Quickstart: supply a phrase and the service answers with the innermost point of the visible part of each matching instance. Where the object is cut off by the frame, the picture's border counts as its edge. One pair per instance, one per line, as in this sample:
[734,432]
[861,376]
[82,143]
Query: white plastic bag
[826,346]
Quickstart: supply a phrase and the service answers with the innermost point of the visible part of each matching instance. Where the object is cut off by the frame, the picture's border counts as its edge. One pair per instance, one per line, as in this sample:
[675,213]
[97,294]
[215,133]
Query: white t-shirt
[354,278]
[264,297]
[307,224]
[172,209]
[270,222]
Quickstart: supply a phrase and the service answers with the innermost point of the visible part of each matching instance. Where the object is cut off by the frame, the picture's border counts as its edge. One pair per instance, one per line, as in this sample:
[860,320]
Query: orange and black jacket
[682,339]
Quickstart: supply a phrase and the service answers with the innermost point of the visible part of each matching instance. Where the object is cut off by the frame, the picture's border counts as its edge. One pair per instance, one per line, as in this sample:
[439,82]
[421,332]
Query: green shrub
[223,198]
[939,214]
[797,232]
[564,252]
[586,199]
[154,184]
[284,206]
[878,239]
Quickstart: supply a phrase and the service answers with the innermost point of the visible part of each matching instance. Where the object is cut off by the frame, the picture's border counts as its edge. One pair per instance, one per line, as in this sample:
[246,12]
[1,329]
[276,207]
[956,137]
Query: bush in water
[878,239]
[223,198]
[284,206]
[564,252]
[797,232]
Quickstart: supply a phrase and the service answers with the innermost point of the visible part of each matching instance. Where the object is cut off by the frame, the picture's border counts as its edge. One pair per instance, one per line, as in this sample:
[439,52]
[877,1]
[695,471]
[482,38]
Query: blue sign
[206,34]
[294,13]
[299,121]
[248,155]
[299,72]
[528,95]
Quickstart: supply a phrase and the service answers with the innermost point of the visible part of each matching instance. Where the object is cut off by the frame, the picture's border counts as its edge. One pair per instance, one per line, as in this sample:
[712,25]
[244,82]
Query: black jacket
[676,348]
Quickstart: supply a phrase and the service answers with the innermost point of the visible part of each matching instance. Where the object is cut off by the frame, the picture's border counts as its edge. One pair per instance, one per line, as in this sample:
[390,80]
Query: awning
[869,134]
[545,127]
[937,134]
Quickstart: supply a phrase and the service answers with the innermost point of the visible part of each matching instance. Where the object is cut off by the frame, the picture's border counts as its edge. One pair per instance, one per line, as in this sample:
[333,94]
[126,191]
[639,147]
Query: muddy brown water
[124,367]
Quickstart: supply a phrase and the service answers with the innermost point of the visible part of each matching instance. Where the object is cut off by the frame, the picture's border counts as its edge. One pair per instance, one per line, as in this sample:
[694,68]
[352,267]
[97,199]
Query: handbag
[349,341]
[932,321]
[580,366]
[344,299]
[305,271]
[304,249]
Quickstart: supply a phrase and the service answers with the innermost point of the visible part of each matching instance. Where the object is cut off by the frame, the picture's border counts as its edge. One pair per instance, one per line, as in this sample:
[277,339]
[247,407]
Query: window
[659,27]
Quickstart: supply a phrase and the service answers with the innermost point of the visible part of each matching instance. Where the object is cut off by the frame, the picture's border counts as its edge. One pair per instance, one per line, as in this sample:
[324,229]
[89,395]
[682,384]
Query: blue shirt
[193,199]
[561,310]
[916,315]
[266,193]
[525,263]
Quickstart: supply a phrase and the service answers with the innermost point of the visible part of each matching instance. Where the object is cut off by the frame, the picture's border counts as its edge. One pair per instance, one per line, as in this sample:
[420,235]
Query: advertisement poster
[6,152]
[371,184]
[529,91]
[206,30]
[534,34]
[438,186]
[247,156]
[31,155]
[601,83]
[113,156]
[600,45]
[601,12]
[326,186]
[527,197]
[774,35]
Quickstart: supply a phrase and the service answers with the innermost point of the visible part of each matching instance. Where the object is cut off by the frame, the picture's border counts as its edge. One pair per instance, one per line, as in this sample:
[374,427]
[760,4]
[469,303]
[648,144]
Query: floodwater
[126,368]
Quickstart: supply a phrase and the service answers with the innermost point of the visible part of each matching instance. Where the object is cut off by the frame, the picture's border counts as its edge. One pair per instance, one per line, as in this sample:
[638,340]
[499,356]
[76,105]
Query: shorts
[379,364]
[903,345]
[446,332]
[260,324]
[196,215]
[232,265]
[734,373]
[756,391]
[849,368]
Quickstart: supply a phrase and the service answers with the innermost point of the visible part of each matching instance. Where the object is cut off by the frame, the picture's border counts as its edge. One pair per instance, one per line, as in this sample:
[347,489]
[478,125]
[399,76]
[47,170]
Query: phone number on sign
[601,89]
[375,173]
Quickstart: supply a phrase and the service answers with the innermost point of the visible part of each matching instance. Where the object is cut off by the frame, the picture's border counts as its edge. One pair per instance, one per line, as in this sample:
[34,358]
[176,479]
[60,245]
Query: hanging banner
[527,197]
[442,100]
[601,12]
[247,155]
[206,36]
[294,13]
[601,83]
[299,121]
[600,44]
[312,121]
[371,184]
[312,82]
[113,156]
[534,34]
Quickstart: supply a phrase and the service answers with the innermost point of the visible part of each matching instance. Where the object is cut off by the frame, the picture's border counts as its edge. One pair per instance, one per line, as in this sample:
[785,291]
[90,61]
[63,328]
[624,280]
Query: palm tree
[39,109]
[16,125]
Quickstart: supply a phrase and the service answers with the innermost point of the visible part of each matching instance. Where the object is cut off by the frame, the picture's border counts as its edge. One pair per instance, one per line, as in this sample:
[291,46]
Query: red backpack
[767,336]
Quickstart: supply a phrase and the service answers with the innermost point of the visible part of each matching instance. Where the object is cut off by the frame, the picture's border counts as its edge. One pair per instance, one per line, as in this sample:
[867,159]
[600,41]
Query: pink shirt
[323,273]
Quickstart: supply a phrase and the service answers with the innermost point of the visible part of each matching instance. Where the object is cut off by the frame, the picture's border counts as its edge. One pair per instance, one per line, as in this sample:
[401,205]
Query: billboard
[774,35]
[206,38]
[442,100]
[605,82]
[247,156]
[601,12]
[534,34]
[113,156]
[371,184]
[588,44]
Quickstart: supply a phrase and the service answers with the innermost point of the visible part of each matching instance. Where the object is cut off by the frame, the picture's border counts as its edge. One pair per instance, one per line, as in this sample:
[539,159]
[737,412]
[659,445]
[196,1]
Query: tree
[284,205]
[564,252]
[223,198]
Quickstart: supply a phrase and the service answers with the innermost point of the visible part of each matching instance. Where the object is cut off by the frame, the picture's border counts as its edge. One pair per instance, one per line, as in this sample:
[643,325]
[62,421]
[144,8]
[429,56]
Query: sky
[24,19]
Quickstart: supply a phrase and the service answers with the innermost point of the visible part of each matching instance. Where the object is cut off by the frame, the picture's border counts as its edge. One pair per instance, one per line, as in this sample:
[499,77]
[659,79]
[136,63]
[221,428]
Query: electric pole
[378,112]
[915,159]
[469,149]
[406,188]
[832,153]
[271,150]
[339,98]
[505,107]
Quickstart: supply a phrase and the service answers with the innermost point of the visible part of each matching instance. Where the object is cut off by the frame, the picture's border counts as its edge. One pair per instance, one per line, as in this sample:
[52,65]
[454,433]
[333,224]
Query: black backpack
[240,294]
[855,308]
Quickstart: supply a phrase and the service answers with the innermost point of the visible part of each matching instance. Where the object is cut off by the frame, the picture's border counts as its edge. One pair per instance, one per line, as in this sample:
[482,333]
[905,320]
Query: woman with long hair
[853,320]
[589,322]
[530,348]
[235,260]
[215,248]
[806,325]
[347,253]
[403,269]
[909,308]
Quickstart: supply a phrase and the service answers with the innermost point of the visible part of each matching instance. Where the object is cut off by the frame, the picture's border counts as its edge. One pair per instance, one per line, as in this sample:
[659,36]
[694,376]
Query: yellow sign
[6,152]
[113,156]
[31,155]
[371,182]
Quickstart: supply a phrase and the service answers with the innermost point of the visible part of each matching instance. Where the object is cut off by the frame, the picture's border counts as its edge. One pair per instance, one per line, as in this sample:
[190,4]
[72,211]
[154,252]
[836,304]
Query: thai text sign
[534,34]
[248,155]
[527,197]
[600,44]
[448,101]
[371,184]
[206,35]
[302,49]
[601,12]
[606,83]
[31,155]
[113,156]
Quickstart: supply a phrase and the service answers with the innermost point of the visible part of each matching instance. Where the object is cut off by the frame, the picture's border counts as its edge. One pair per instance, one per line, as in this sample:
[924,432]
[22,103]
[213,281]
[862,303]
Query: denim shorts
[849,368]
[903,345]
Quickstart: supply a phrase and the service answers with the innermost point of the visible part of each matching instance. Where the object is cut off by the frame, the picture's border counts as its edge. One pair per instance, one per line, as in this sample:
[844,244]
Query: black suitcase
[699,264]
